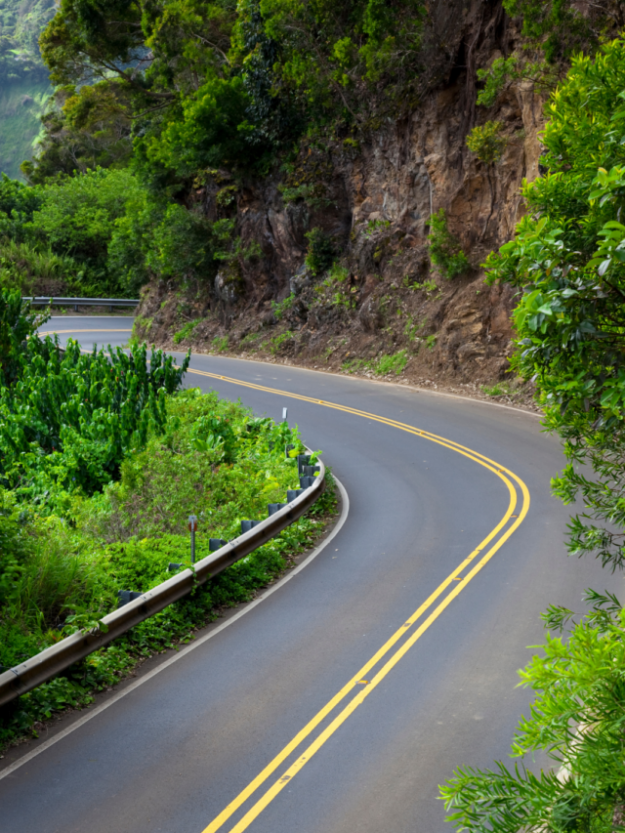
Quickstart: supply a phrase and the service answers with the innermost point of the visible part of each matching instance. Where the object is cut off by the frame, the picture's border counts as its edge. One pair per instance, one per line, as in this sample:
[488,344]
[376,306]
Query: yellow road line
[357,681]
[363,692]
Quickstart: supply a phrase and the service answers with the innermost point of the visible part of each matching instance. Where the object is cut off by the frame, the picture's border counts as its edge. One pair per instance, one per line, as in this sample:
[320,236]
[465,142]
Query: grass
[499,389]
[249,339]
[396,363]
[426,286]
[411,328]
[186,331]
[283,306]
[275,343]
[220,343]
[383,366]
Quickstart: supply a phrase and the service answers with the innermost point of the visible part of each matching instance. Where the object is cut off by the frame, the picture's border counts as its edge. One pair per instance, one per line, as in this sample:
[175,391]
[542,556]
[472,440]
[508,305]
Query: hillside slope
[388,310]
[24,85]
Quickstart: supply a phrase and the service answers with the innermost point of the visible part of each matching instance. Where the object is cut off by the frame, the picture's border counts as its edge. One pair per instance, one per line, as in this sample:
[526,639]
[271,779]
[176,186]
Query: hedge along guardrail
[45,301]
[57,658]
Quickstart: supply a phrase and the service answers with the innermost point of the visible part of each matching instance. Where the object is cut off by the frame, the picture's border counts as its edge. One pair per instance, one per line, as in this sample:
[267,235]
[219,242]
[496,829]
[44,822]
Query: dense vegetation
[158,102]
[90,446]
[569,258]
[164,111]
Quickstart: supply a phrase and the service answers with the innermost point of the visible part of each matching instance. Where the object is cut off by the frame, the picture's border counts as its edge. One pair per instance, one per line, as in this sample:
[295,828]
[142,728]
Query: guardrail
[45,301]
[57,658]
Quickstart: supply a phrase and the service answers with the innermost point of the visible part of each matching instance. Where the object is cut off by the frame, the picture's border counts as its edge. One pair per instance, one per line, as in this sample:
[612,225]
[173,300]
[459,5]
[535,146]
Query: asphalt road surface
[341,701]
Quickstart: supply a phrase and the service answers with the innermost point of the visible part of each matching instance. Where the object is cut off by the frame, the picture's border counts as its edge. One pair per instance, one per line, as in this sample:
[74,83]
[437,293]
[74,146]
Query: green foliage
[205,134]
[568,257]
[561,28]
[385,365]
[58,574]
[18,325]
[430,341]
[274,344]
[426,286]
[186,331]
[248,340]
[226,84]
[376,225]
[445,251]
[81,129]
[411,328]
[391,364]
[498,389]
[283,306]
[495,78]
[78,217]
[321,251]
[577,718]
[68,420]
[17,205]
[340,293]
[103,233]
[487,142]
[220,343]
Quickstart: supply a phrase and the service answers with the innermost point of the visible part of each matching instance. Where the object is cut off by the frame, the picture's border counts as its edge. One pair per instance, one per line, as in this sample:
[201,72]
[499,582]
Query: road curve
[340,702]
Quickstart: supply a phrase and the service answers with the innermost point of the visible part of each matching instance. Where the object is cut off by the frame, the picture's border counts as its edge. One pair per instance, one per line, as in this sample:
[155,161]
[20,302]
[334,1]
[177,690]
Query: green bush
[487,142]
[59,573]
[321,251]
[392,364]
[445,251]
[78,218]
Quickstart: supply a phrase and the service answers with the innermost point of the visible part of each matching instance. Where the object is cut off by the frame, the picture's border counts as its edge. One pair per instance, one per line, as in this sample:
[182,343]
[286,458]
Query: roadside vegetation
[102,459]
[568,256]
[140,167]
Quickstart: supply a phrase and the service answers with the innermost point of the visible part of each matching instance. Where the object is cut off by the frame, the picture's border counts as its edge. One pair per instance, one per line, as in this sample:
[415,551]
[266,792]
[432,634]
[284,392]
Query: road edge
[91,713]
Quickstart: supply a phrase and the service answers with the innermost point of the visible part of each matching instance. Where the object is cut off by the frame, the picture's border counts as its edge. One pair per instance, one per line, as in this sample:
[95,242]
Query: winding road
[341,701]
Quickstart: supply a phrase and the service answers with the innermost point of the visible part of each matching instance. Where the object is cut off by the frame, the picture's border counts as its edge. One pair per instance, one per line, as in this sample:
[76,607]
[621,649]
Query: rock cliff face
[387,309]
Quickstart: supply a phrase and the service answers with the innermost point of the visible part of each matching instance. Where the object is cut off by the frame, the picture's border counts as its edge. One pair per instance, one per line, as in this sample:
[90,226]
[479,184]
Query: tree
[568,257]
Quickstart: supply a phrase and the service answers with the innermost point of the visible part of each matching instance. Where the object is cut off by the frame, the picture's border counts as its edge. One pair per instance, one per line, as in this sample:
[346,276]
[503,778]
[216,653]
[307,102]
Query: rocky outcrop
[372,195]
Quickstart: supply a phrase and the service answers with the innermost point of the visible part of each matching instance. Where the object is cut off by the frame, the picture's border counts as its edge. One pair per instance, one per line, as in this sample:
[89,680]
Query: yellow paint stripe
[360,697]
[481,459]
[364,691]
[356,412]
[356,679]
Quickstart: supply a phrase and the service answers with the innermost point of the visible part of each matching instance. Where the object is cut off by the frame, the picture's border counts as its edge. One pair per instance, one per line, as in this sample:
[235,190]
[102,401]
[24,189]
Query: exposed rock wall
[374,197]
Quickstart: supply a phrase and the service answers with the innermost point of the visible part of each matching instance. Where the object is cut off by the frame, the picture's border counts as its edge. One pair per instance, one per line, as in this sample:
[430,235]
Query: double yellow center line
[359,687]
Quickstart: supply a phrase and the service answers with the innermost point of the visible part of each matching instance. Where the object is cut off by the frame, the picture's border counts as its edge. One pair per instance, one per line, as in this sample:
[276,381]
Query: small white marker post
[284,414]
[193,529]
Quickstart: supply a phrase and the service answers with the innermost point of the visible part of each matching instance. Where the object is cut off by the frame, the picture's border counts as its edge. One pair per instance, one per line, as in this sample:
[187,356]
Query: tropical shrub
[568,257]
[62,571]
[445,251]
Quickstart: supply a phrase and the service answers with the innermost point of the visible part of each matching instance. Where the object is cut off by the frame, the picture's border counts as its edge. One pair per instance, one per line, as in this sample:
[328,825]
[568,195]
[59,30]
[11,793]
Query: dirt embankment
[387,311]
